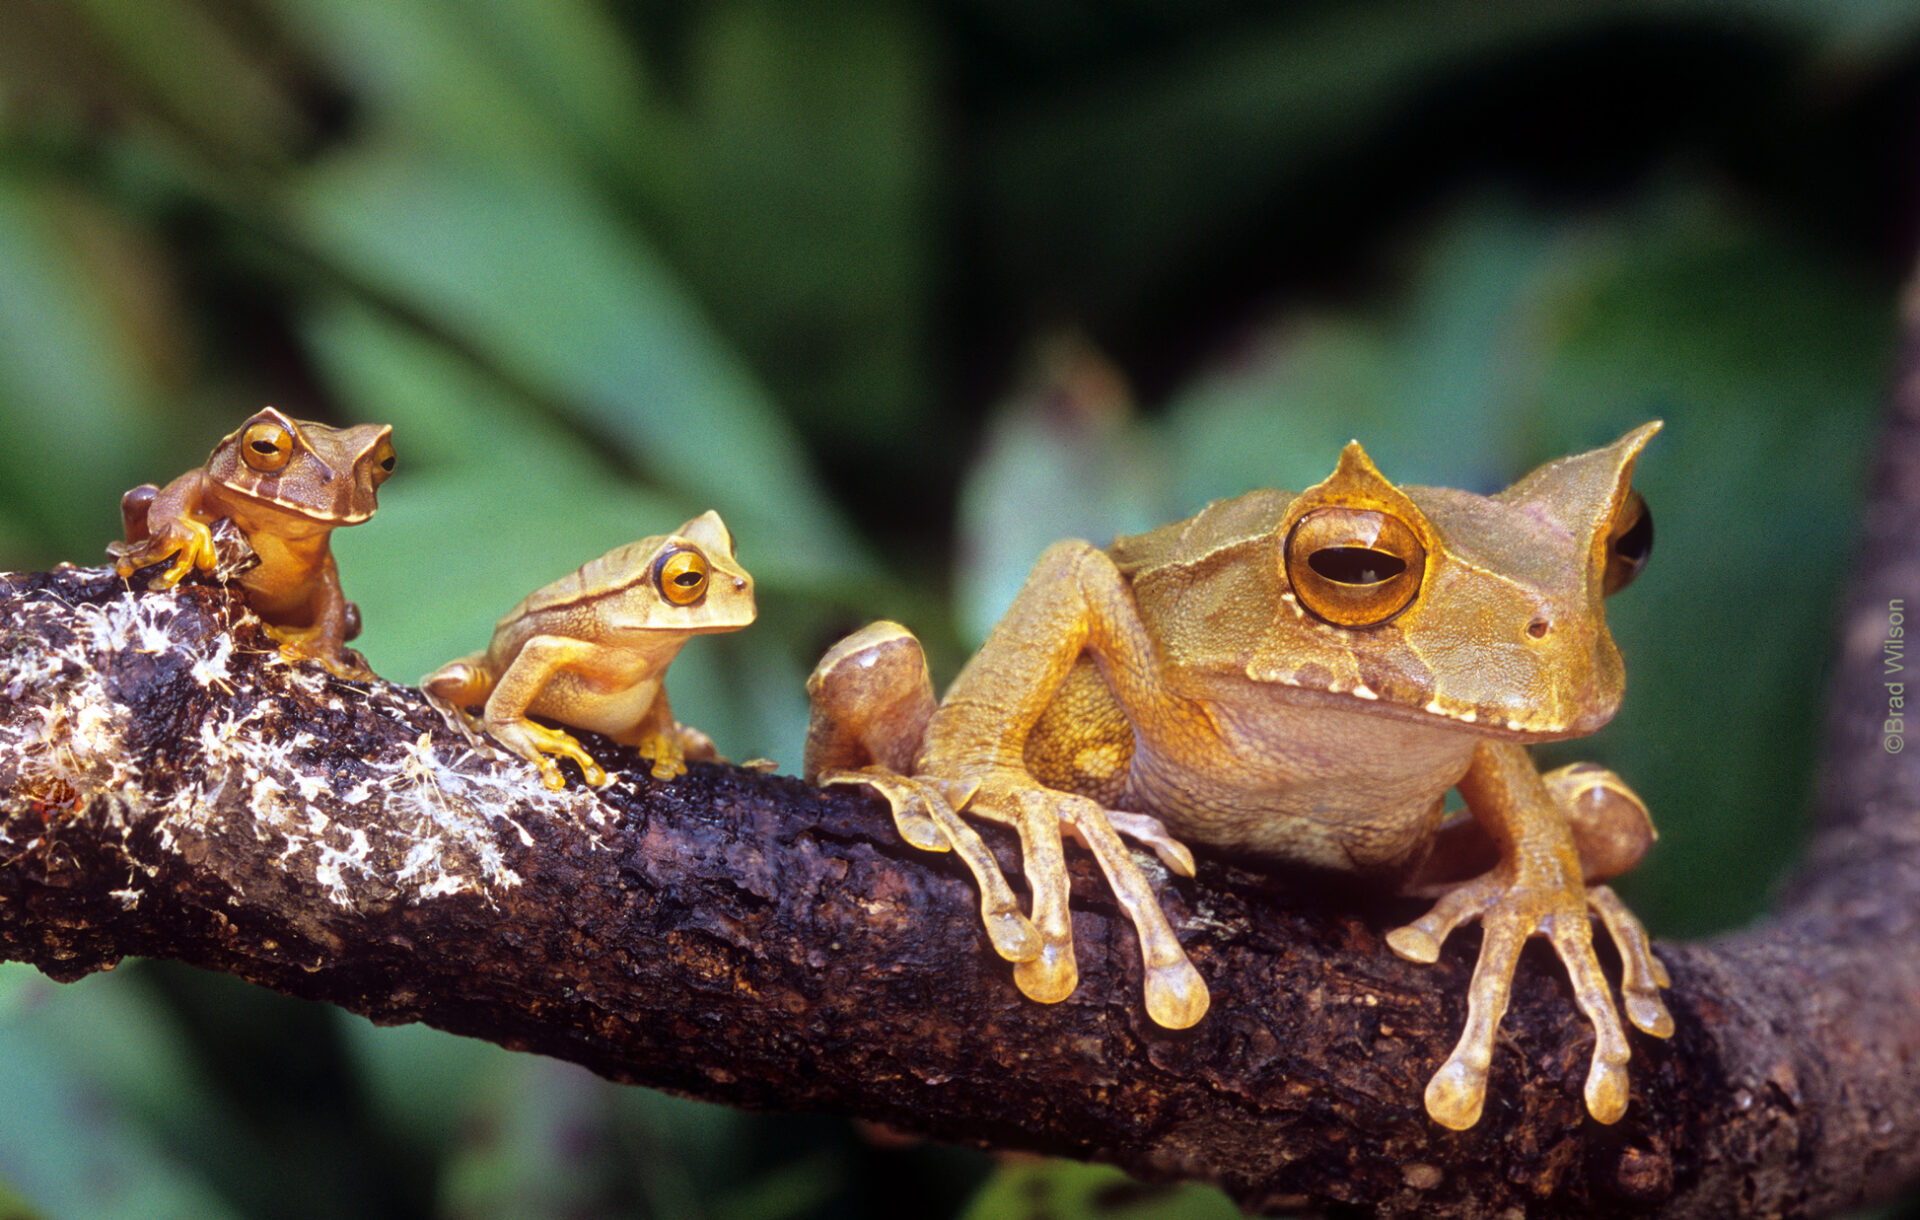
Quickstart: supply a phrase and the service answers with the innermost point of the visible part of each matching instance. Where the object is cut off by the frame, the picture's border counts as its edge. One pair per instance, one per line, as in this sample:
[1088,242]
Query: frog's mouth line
[1468,717]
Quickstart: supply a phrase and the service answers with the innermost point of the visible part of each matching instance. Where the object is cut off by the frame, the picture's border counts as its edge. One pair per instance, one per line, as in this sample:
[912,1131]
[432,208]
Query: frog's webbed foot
[1176,995]
[1510,909]
[538,744]
[666,751]
[928,822]
[299,644]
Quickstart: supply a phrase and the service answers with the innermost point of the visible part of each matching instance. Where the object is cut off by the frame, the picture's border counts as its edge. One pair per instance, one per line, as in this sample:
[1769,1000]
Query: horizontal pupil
[686,580]
[1355,565]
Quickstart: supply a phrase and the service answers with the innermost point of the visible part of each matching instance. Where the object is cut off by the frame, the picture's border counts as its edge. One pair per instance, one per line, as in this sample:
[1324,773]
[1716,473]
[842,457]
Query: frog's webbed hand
[1176,995]
[1074,602]
[164,524]
[185,540]
[1537,888]
[871,699]
[925,820]
[505,714]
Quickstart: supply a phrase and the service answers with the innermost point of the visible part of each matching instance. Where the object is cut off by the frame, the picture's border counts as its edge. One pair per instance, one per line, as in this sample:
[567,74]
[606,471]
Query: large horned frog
[1298,676]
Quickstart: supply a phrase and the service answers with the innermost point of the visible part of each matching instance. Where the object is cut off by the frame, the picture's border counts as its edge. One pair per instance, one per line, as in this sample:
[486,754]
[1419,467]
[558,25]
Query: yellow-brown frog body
[286,484]
[1310,785]
[1307,744]
[591,650]
[1301,676]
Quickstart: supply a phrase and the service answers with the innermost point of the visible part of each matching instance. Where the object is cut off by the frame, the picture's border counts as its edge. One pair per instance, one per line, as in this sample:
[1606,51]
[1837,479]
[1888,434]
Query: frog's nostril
[1539,628]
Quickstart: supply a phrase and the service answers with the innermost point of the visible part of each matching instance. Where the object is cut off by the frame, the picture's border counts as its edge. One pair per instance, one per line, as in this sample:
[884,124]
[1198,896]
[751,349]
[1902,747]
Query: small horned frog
[287,484]
[592,648]
[1301,677]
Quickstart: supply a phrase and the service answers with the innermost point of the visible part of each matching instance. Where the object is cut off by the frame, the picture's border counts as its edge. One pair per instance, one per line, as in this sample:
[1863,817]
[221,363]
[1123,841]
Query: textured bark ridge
[170,787]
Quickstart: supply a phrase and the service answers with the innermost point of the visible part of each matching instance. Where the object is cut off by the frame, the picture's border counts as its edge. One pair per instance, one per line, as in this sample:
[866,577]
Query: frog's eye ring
[266,446]
[383,462]
[682,576]
[1629,543]
[1354,567]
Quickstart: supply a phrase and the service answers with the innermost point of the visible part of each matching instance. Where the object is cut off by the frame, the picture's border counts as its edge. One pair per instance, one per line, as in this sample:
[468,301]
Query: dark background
[906,291]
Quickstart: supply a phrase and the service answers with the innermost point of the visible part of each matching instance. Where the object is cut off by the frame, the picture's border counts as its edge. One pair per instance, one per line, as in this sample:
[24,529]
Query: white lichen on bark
[409,816]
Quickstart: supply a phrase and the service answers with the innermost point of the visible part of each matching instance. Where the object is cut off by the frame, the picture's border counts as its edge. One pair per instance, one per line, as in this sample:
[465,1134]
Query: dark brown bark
[170,788]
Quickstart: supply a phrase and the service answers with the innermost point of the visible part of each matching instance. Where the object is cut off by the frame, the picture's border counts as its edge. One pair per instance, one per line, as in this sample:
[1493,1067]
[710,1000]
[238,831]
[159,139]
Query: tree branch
[169,787]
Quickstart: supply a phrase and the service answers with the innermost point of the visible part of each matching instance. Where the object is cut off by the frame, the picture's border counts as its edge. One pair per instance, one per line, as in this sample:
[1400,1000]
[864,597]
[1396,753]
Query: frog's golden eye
[682,576]
[266,446]
[1629,543]
[1354,567]
[383,462]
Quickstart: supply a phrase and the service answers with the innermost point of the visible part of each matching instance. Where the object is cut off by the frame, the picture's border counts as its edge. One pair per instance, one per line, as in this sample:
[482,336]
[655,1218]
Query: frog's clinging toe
[1457,1093]
[1177,996]
[1013,935]
[1414,944]
[1051,976]
[1606,1091]
[1649,1014]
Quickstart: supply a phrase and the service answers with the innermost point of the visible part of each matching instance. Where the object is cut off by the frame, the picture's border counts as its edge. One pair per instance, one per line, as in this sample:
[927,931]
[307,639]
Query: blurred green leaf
[1064,458]
[1024,1189]
[534,1145]
[532,272]
[813,198]
[75,366]
[194,71]
[15,1207]
[90,1074]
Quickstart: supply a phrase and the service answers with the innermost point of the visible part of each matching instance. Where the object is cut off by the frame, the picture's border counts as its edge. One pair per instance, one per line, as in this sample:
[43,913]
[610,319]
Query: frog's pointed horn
[709,531]
[1357,483]
[1583,492]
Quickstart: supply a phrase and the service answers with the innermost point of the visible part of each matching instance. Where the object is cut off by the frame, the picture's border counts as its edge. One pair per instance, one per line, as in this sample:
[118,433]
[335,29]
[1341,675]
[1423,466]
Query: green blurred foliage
[906,291]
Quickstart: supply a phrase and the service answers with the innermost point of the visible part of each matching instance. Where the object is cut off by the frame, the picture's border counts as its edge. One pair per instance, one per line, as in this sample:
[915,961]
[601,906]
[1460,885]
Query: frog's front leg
[505,714]
[1537,887]
[165,524]
[1075,601]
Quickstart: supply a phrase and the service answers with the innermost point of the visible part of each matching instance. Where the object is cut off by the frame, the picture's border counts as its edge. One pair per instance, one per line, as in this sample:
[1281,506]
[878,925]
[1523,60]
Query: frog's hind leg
[457,686]
[871,698]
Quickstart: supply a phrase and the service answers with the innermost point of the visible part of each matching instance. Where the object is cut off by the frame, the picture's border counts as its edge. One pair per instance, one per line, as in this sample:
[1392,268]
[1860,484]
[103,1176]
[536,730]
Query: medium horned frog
[592,649]
[287,484]
[1302,677]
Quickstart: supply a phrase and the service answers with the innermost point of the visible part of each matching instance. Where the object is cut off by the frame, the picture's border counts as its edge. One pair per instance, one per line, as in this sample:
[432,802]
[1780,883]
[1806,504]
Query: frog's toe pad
[1013,935]
[1606,1091]
[1456,1094]
[1177,996]
[1415,944]
[1649,1014]
[1049,977]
